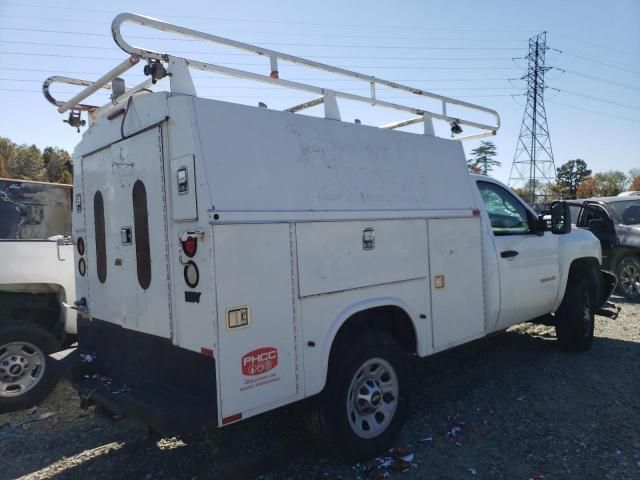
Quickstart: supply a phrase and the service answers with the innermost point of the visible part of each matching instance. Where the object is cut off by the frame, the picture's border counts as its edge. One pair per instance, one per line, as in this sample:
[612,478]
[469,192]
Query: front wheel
[575,317]
[365,401]
[628,273]
[25,376]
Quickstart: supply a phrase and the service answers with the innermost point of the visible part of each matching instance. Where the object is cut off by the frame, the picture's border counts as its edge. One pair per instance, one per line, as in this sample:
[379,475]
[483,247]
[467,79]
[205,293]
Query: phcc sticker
[259,361]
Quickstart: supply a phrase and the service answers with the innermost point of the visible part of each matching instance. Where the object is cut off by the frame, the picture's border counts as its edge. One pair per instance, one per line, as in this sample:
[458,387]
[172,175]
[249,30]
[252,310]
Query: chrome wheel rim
[22,366]
[630,279]
[372,399]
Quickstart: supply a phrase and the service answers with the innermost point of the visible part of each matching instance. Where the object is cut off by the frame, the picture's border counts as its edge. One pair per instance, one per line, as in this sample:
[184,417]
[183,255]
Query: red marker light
[80,245]
[190,246]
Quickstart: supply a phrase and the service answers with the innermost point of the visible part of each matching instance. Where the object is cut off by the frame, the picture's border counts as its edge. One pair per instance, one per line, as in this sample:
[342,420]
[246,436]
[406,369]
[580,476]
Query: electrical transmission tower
[533,168]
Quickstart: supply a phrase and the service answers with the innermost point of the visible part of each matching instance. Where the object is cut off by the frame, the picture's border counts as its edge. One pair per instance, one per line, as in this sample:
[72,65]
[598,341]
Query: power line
[263,32]
[253,96]
[296,44]
[598,99]
[600,62]
[594,111]
[113,48]
[224,77]
[599,79]
[228,19]
[587,42]
[236,87]
[386,67]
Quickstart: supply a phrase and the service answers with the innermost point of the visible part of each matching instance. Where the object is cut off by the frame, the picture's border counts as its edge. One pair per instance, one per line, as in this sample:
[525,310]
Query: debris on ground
[397,460]
[479,383]
[88,357]
[8,429]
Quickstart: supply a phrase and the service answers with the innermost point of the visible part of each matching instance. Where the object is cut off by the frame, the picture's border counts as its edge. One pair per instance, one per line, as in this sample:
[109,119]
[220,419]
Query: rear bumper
[142,376]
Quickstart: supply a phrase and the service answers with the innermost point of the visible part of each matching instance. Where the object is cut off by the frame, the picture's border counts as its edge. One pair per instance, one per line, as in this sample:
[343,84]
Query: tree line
[573,178]
[28,162]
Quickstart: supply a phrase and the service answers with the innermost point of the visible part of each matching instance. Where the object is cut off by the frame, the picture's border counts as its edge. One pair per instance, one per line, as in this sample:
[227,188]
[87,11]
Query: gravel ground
[508,407]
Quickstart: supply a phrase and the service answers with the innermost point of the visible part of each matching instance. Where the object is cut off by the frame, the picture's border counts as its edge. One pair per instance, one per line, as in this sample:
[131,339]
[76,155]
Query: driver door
[596,219]
[527,262]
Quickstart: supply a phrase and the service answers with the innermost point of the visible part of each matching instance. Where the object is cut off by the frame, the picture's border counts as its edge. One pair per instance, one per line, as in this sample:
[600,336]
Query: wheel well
[590,268]
[389,319]
[39,308]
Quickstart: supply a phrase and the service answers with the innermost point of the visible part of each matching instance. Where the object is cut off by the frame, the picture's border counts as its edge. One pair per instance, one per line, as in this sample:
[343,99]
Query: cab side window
[508,216]
[590,214]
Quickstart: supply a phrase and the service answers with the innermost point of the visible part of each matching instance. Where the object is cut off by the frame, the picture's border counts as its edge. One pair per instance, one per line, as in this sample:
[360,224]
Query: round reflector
[82,267]
[80,245]
[191,274]
[190,246]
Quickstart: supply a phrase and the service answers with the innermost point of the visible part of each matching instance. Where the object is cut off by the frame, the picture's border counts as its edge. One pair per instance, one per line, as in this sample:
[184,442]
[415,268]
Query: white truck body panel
[305,222]
[113,171]
[455,257]
[40,266]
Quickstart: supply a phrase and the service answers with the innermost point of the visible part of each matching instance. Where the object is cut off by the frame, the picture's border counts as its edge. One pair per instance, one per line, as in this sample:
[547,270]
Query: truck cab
[615,221]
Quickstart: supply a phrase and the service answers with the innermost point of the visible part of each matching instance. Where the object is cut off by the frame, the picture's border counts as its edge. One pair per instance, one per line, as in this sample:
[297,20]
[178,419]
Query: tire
[25,374]
[575,317]
[359,426]
[628,274]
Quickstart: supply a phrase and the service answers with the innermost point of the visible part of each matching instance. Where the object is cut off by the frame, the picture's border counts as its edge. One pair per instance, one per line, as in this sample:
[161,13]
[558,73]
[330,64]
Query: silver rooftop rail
[182,83]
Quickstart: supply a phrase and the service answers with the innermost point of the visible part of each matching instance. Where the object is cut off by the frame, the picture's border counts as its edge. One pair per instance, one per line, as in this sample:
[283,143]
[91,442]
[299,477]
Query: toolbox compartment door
[126,244]
[258,361]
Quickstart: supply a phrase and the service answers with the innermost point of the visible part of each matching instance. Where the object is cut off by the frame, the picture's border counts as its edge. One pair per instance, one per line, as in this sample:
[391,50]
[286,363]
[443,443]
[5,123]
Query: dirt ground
[509,407]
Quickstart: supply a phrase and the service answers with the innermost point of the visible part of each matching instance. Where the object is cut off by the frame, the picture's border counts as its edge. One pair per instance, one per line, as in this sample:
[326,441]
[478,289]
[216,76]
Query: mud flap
[608,282]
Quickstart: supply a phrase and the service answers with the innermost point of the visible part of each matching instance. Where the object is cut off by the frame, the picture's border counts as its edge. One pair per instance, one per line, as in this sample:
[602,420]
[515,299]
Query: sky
[468,50]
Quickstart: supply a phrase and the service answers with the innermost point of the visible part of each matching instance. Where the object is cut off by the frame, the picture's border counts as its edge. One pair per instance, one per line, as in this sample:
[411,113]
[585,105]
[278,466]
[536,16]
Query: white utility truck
[36,279]
[240,258]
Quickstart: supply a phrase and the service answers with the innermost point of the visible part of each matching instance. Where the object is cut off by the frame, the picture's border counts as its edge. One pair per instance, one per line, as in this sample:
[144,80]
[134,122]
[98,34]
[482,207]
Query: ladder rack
[181,82]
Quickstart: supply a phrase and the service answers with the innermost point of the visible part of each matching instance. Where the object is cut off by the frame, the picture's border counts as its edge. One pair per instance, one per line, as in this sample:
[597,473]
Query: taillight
[80,245]
[82,267]
[190,246]
[191,274]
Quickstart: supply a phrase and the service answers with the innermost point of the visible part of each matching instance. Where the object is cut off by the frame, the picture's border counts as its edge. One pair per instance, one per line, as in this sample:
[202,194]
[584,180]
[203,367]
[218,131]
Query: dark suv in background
[616,223]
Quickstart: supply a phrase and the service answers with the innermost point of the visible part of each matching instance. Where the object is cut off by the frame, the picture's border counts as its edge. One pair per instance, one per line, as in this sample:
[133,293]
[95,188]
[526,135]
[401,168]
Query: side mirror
[560,218]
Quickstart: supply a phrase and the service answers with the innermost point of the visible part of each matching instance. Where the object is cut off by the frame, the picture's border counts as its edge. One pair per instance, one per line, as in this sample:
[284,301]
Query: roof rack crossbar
[273,78]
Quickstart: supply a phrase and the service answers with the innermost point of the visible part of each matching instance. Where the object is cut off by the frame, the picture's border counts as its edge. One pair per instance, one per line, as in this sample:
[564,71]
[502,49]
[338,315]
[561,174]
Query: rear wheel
[628,273]
[365,401]
[575,317]
[25,376]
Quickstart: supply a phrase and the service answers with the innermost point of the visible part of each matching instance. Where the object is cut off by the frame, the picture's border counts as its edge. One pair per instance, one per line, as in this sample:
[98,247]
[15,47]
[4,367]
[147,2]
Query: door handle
[508,254]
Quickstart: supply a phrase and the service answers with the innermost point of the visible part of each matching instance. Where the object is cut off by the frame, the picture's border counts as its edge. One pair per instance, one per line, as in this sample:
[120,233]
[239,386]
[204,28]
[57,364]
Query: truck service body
[242,258]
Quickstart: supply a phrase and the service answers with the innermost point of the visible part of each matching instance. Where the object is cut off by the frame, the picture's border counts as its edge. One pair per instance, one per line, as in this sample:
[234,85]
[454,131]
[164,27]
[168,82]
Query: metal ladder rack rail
[327,96]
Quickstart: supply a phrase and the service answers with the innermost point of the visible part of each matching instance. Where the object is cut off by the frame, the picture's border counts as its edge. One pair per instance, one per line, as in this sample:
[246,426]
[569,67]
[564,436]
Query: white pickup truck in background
[36,278]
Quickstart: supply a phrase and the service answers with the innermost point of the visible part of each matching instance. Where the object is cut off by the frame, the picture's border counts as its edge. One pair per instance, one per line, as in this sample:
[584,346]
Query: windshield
[628,211]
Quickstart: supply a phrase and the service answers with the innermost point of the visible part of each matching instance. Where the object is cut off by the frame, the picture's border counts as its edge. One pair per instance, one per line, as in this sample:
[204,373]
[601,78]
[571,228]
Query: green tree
[58,164]
[531,190]
[4,171]
[610,183]
[483,158]
[7,156]
[570,175]
[28,164]
[634,180]
[588,188]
